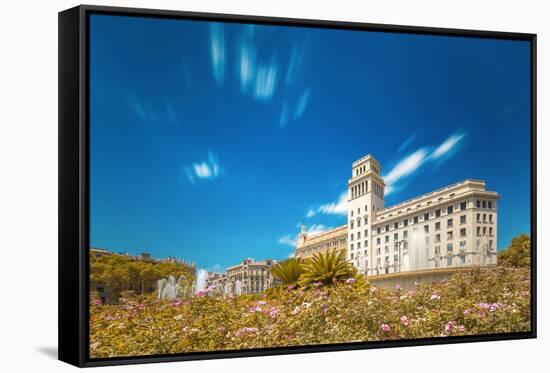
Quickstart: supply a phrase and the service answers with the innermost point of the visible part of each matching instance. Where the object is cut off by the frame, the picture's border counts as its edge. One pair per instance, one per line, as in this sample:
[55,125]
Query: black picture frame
[73,248]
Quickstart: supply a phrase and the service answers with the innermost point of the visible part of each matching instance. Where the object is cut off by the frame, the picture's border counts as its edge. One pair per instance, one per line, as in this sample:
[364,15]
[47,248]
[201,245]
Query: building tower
[365,199]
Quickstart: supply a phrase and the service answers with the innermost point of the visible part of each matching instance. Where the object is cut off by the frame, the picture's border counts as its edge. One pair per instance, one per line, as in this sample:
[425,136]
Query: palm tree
[328,268]
[288,271]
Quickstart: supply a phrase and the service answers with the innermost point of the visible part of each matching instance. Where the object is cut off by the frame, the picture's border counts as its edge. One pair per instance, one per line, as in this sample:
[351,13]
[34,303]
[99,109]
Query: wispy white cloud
[448,145]
[296,59]
[291,239]
[414,161]
[247,65]
[208,169]
[338,207]
[407,142]
[302,104]
[138,108]
[404,168]
[217,50]
[266,81]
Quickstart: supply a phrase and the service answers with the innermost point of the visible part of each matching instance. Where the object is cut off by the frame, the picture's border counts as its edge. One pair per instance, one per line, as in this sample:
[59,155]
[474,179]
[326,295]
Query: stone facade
[255,276]
[333,239]
[453,226]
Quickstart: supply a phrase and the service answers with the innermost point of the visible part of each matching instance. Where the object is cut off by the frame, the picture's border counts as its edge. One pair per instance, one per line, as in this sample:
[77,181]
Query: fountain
[169,288]
[202,276]
[227,288]
[238,287]
[417,256]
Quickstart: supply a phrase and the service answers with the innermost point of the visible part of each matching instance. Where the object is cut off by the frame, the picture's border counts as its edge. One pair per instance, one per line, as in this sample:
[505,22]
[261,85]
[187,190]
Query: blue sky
[212,142]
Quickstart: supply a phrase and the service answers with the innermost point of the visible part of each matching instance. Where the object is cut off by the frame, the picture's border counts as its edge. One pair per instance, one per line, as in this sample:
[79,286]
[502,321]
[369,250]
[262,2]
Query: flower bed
[470,303]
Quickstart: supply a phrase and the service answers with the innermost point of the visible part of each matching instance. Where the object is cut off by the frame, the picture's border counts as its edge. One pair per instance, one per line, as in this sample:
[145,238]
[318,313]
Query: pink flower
[435,296]
[467,312]
[461,328]
[255,309]
[411,293]
[273,312]
[350,280]
[449,326]
[290,287]
[385,328]
[492,307]
[317,284]
[398,287]
[246,330]
[261,303]
[96,302]
[404,320]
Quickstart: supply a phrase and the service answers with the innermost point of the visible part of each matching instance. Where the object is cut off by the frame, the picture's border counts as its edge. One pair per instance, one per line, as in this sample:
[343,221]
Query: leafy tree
[328,268]
[288,271]
[518,254]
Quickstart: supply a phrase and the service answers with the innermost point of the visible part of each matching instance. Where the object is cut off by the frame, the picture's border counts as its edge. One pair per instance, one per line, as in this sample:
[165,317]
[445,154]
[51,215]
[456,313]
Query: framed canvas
[235,186]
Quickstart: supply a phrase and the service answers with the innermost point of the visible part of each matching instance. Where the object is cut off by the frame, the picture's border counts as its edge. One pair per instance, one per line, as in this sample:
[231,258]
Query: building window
[463,219]
[463,232]
[351,237]
[358,245]
[366,232]
[366,220]
[378,230]
[490,204]
[478,204]
[366,209]
[484,218]
[478,231]
[359,235]
[358,222]
[387,239]
[415,219]
[462,245]
[405,234]
[463,206]
[450,235]
[427,216]
[352,249]
[437,213]
[351,225]
[438,237]
[490,217]
[484,203]
[395,258]
[366,245]
[405,222]
[377,251]
[395,225]
[449,222]
[437,250]
[387,227]
[359,211]
[426,228]
[437,226]
[478,218]
[395,236]
[351,255]
[378,241]
[449,209]
[490,231]
[449,247]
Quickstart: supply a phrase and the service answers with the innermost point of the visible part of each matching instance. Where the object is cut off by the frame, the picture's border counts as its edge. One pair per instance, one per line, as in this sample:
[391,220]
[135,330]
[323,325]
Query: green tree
[288,271]
[518,254]
[328,268]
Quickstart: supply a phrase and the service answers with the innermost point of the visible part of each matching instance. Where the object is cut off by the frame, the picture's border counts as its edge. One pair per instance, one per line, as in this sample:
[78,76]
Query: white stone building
[450,227]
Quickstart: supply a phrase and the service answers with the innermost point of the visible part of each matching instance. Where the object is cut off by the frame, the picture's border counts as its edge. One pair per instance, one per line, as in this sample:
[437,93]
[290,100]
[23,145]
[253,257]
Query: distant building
[98,252]
[450,227]
[255,277]
[333,239]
